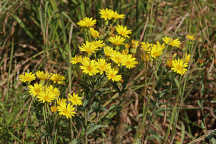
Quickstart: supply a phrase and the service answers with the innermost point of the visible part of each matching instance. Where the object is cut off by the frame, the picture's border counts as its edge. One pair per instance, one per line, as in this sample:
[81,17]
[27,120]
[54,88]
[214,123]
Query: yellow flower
[42,75]
[108,14]
[123,31]
[112,75]
[129,61]
[91,47]
[89,67]
[48,94]
[53,108]
[190,37]
[65,109]
[76,59]
[157,50]
[179,66]
[116,40]
[102,65]
[75,99]
[118,16]
[57,78]
[146,46]
[27,77]
[117,57]
[36,89]
[167,40]
[187,58]
[94,33]
[175,43]
[108,51]
[87,22]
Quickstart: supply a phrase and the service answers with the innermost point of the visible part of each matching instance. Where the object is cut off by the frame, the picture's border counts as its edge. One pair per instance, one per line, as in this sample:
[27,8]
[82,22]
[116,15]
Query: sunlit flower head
[102,65]
[129,61]
[75,99]
[65,109]
[108,51]
[27,77]
[157,50]
[117,57]
[167,40]
[123,31]
[48,94]
[190,37]
[179,66]
[187,58]
[108,14]
[112,75]
[116,40]
[91,47]
[94,33]
[89,67]
[87,22]
[146,47]
[76,59]
[175,43]
[42,75]
[57,78]
[35,89]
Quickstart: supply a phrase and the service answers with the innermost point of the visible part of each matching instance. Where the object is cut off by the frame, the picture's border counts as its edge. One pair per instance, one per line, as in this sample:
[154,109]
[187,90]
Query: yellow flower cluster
[107,51]
[67,107]
[44,91]
[152,51]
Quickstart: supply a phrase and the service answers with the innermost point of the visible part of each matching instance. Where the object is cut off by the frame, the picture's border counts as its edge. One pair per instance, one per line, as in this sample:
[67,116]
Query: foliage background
[43,34]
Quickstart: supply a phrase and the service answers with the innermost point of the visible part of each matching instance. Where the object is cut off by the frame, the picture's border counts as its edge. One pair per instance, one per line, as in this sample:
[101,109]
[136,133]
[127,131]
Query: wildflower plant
[43,87]
[103,51]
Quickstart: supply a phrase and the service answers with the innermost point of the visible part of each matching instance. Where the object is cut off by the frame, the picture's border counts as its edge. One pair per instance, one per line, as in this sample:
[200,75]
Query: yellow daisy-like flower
[116,40]
[76,59]
[57,78]
[91,47]
[117,57]
[146,47]
[94,33]
[87,22]
[108,51]
[27,77]
[190,37]
[123,31]
[179,66]
[35,89]
[112,75]
[65,109]
[75,99]
[106,14]
[118,16]
[157,50]
[129,61]
[42,75]
[167,40]
[175,43]
[89,67]
[48,94]
[187,58]
[102,65]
